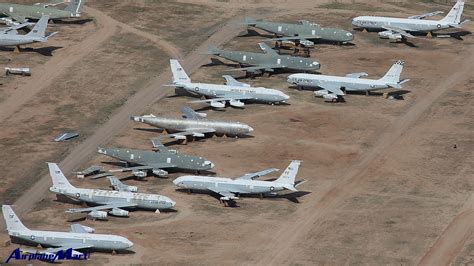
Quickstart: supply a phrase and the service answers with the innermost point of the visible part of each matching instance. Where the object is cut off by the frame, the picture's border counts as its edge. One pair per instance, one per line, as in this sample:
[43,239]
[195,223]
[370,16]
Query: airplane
[401,28]
[37,34]
[117,185]
[269,61]
[233,92]
[302,33]
[13,29]
[332,85]
[156,161]
[15,13]
[194,124]
[229,189]
[80,237]
[105,199]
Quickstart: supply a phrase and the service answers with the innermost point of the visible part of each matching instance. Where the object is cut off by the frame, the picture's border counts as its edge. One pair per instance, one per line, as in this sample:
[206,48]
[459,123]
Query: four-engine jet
[229,188]
[37,34]
[233,92]
[105,199]
[400,28]
[194,125]
[156,161]
[269,61]
[14,13]
[80,237]
[302,33]
[331,86]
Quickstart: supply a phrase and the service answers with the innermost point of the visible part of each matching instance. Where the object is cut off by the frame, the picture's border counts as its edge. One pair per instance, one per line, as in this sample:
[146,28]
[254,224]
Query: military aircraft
[80,237]
[301,33]
[14,13]
[400,28]
[37,34]
[229,188]
[116,184]
[194,125]
[13,29]
[156,161]
[105,199]
[332,85]
[269,61]
[233,92]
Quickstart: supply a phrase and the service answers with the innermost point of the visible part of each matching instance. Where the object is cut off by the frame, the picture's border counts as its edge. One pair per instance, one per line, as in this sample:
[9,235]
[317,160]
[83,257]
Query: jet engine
[321,93]
[160,172]
[307,43]
[132,188]
[330,97]
[88,229]
[98,214]
[390,35]
[236,103]
[119,212]
[139,174]
[216,104]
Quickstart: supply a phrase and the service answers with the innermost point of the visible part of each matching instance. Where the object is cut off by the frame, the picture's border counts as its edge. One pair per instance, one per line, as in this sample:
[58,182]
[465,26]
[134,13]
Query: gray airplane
[37,34]
[80,237]
[105,199]
[116,184]
[193,124]
[304,33]
[229,188]
[400,28]
[156,161]
[14,13]
[233,92]
[269,61]
[13,29]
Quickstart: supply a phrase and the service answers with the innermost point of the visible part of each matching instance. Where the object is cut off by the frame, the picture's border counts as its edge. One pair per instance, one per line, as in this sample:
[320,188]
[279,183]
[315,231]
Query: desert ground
[388,181]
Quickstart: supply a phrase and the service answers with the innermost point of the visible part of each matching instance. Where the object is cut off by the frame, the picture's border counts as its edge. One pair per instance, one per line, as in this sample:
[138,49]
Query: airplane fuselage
[34,12]
[7,39]
[410,25]
[349,84]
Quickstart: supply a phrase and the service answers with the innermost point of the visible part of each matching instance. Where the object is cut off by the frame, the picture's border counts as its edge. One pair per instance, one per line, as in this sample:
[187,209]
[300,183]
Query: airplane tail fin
[212,50]
[11,220]
[454,15]
[393,74]
[249,21]
[179,75]
[75,7]
[39,30]
[287,179]
[59,180]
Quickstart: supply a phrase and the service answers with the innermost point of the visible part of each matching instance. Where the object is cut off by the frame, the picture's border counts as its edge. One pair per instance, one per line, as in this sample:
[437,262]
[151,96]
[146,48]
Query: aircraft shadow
[45,51]
[254,33]
[154,130]
[72,22]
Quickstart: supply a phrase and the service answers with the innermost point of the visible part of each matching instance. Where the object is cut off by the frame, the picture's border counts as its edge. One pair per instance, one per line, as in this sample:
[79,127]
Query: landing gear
[17,49]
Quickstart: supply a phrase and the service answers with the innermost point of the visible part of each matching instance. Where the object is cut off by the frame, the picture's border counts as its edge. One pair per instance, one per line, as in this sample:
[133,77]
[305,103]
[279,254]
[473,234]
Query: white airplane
[331,86]
[227,188]
[80,237]
[233,92]
[400,28]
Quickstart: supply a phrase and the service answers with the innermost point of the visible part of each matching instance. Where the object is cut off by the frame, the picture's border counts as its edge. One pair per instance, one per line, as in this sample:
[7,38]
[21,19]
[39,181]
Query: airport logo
[51,257]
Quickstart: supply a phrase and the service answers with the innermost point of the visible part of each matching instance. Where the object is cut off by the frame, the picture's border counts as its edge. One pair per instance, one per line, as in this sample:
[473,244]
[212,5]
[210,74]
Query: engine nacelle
[390,35]
[139,174]
[160,172]
[236,103]
[88,229]
[118,212]
[98,214]
[216,104]
[132,188]
[321,93]
[307,43]
[330,97]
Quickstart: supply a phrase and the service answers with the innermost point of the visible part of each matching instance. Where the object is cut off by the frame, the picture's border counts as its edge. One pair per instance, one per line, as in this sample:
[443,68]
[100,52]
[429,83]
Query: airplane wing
[258,174]
[77,228]
[399,31]
[52,3]
[333,89]
[158,145]
[135,168]
[195,132]
[103,207]
[226,195]
[189,113]
[17,18]
[224,99]
[230,81]
[295,38]
[357,75]
[267,49]
[422,16]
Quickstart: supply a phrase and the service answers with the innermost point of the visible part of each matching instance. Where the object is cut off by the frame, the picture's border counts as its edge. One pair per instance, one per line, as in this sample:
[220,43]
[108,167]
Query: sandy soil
[385,184]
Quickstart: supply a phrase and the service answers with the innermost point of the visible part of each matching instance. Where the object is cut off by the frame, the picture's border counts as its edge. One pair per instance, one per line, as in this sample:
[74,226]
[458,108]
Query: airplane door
[313,32]
[244,58]
[132,156]
[278,61]
[168,160]
[280,28]
[11,9]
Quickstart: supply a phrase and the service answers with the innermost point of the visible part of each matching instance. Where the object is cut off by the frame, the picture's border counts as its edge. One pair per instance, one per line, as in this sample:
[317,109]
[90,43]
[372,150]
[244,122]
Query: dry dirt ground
[385,184]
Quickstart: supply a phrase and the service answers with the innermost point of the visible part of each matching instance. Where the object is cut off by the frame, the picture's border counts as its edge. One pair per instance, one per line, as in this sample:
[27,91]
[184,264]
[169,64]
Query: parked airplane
[303,33]
[233,92]
[332,85]
[13,29]
[269,61]
[229,188]
[143,162]
[400,28]
[15,13]
[105,199]
[37,34]
[194,125]
[116,184]
[80,237]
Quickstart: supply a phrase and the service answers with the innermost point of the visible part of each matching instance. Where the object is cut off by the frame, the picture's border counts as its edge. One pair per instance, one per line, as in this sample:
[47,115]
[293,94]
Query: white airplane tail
[393,74]
[454,15]
[287,179]
[11,220]
[59,180]
[179,75]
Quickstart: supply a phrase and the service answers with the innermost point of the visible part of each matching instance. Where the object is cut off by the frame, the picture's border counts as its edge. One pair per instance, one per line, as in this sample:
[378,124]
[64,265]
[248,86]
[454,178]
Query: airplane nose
[250,129]
[172,203]
[129,243]
[176,181]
